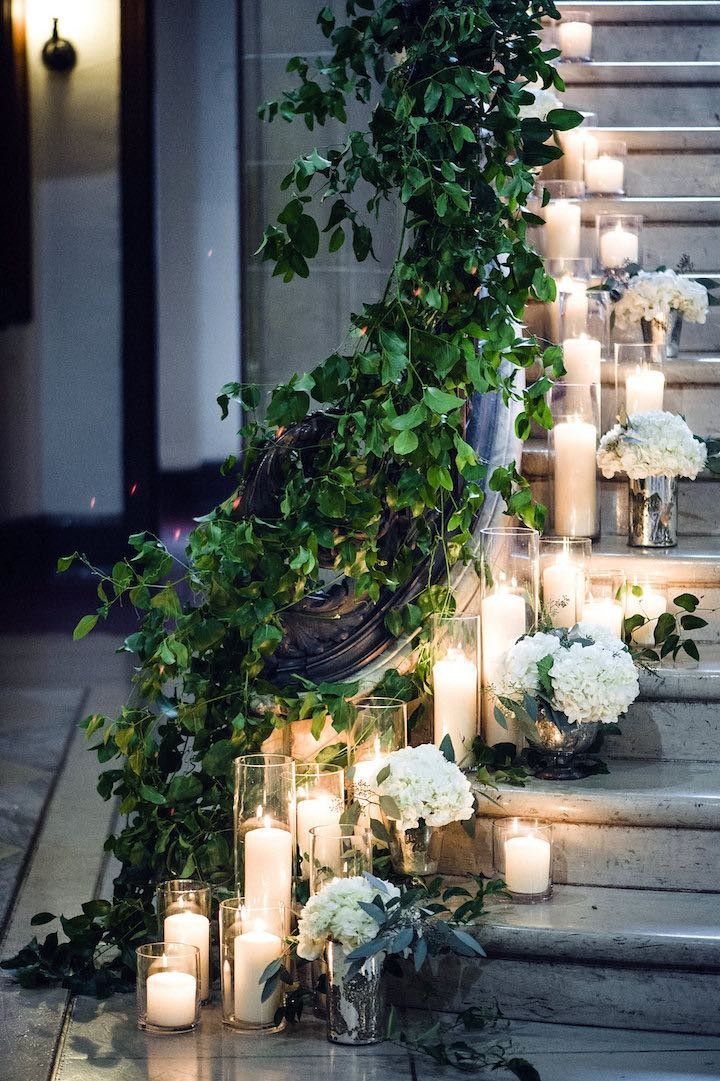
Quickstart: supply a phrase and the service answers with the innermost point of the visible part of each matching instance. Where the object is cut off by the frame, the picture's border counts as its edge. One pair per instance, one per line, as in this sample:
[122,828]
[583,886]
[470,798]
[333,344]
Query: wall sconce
[58,54]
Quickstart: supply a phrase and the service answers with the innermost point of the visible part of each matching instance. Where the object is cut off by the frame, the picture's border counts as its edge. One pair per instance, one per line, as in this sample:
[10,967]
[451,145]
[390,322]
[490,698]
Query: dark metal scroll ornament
[330,635]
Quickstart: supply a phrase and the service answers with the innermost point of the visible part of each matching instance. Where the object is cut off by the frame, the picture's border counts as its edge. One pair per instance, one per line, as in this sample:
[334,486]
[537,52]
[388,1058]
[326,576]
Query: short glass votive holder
[572,279]
[251,938]
[605,593]
[320,802]
[562,231]
[342,851]
[167,987]
[619,242]
[264,824]
[585,330]
[456,683]
[605,170]
[572,446]
[183,911]
[523,859]
[578,146]
[639,377]
[646,599]
[564,564]
[574,36]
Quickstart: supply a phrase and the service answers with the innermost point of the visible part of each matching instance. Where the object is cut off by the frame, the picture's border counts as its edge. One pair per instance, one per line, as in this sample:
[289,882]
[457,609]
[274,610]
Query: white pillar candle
[171,999]
[644,390]
[254,951]
[618,246]
[527,864]
[578,146]
[503,620]
[572,294]
[562,229]
[581,357]
[604,612]
[364,781]
[313,811]
[268,866]
[650,606]
[563,590]
[605,175]
[192,929]
[574,478]
[575,39]
[455,702]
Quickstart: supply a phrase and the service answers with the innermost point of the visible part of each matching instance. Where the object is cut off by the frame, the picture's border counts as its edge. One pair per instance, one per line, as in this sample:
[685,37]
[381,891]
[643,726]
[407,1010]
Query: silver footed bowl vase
[355,1002]
[411,850]
[653,512]
[562,745]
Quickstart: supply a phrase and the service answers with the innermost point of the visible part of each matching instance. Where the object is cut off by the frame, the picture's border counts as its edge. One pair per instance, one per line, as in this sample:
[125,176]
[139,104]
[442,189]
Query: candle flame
[267,822]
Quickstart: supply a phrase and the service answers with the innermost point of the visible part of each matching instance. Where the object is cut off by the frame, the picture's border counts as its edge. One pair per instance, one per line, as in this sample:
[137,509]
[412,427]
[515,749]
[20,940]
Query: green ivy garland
[446,138]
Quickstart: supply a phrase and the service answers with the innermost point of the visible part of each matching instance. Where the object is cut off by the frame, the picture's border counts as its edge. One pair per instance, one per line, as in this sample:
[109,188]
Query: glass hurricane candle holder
[509,576]
[455,677]
[251,938]
[605,171]
[264,822]
[605,593]
[578,146]
[167,987]
[571,276]
[572,448]
[639,377]
[564,563]
[341,851]
[574,36]
[523,859]
[183,910]
[619,242]
[646,599]
[320,802]
[562,231]
[380,727]
[585,330]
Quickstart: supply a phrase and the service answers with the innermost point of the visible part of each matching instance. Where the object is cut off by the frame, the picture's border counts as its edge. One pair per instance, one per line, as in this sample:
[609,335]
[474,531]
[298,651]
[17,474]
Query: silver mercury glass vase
[355,1003]
[654,333]
[410,849]
[653,512]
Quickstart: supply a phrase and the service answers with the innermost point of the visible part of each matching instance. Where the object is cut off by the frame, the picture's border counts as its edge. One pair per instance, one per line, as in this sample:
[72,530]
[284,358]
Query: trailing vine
[447,81]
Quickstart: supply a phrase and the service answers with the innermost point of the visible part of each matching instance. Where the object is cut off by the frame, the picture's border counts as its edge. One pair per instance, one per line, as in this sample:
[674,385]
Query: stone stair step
[665,241]
[629,958]
[639,139]
[668,730]
[647,11]
[668,209]
[671,173]
[639,73]
[657,93]
[653,31]
[645,825]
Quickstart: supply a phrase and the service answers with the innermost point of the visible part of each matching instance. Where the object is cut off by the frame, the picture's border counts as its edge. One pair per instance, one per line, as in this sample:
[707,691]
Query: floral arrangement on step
[419,786]
[652,295]
[652,444]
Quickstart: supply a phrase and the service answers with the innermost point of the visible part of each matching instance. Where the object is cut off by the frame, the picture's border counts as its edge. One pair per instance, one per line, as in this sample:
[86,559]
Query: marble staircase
[631,938]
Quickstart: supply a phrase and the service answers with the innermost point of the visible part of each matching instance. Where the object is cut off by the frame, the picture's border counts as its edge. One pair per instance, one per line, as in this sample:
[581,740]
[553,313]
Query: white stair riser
[639,857]
[668,730]
[663,244]
[654,42]
[540,990]
[640,106]
[671,174]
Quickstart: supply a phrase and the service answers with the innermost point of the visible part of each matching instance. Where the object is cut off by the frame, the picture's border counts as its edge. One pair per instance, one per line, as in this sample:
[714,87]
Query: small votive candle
[168,987]
[183,908]
[618,240]
[605,172]
[523,858]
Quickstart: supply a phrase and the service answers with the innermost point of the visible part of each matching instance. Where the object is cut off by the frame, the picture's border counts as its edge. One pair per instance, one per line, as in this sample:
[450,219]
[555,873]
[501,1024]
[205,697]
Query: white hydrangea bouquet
[652,295]
[336,913]
[561,686]
[653,444]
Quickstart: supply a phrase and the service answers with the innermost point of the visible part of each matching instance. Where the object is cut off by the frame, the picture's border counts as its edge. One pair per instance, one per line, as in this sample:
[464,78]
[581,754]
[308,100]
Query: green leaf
[65,562]
[41,918]
[687,601]
[446,747]
[564,119]
[692,623]
[151,795]
[390,808]
[433,94]
[405,442]
[440,401]
[84,627]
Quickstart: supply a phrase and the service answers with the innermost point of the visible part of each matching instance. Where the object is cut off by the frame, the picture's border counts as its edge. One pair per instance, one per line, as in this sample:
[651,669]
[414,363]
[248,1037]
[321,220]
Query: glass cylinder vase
[183,910]
[455,677]
[571,276]
[652,512]
[251,938]
[585,332]
[605,600]
[167,987]
[639,377]
[523,859]
[264,822]
[574,36]
[320,802]
[355,1003]
[605,171]
[509,604]
[562,231]
[578,146]
[572,446]
[564,564]
[619,242]
[342,851]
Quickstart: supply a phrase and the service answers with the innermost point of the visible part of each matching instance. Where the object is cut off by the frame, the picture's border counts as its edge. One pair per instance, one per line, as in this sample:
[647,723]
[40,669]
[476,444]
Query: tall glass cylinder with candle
[183,910]
[564,564]
[251,938]
[639,377]
[578,146]
[605,171]
[341,851]
[619,242]
[509,605]
[573,441]
[380,727]
[605,593]
[646,599]
[562,231]
[167,987]
[523,859]
[456,683]
[574,35]
[320,802]
[571,276]
[264,818]
[585,329]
